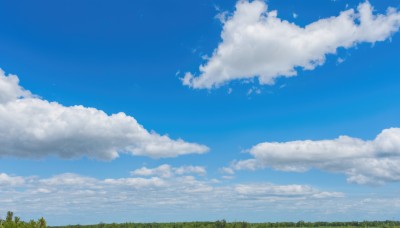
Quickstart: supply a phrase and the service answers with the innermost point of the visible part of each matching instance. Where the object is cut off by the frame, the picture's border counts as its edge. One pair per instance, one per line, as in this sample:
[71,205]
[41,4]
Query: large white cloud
[364,162]
[256,43]
[31,127]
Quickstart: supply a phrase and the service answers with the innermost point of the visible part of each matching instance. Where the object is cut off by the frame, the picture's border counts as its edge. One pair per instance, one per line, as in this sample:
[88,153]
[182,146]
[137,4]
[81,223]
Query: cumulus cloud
[31,127]
[363,161]
[257,43]
[10,88]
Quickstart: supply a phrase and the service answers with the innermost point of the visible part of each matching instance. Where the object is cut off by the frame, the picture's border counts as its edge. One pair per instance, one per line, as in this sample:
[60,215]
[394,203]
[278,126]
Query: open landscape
[199,113]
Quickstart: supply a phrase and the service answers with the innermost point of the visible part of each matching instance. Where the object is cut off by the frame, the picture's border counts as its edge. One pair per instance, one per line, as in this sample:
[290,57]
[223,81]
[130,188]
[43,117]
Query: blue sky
[253,134]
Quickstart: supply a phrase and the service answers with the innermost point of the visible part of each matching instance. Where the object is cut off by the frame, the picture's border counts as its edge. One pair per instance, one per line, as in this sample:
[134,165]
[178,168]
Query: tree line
[224,224]
[12,221]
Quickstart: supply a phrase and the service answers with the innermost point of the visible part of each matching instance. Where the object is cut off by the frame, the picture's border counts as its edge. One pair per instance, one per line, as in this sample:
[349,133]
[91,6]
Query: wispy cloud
[167,171]
[69,192]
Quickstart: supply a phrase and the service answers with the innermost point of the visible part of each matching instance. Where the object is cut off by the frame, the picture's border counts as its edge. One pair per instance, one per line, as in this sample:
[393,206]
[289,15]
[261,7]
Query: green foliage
[224,224]
[15,222]
[9,217]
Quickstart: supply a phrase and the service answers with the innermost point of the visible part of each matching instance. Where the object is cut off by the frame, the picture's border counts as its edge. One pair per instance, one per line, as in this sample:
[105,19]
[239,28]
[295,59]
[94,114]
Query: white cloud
[137,182]
[68,179]
[227,170]
[264,191]
[167,171]
[199,170]
[256,43]
[162,171]
[31,127]
[6,180]
[340,60]
[364,162]
[62,197]
[69,194]
[10,88]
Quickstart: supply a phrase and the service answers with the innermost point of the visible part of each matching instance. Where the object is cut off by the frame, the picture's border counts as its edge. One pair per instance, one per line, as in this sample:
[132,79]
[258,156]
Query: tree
[9,217]
[42,223]
[17,220]
[31,224]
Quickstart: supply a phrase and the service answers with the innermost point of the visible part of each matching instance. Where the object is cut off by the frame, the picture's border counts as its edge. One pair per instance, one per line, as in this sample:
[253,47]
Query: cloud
[31,127]
[199,170]
[362,161]
[67,179]
[70,197]
[137,182]
[10,88]
[256,43]
[227,170]
[6,180]
[265,191]
[69,194]
[166,171]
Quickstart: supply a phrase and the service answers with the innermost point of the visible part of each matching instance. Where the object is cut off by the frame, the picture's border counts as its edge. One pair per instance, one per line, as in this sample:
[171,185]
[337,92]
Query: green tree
[17,220]
[42,223]
[31,224]
[9,217]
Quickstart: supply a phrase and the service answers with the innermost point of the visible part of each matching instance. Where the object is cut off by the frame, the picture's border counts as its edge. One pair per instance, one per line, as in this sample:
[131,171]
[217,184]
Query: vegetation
[12,221]
[15,222]
[224,224]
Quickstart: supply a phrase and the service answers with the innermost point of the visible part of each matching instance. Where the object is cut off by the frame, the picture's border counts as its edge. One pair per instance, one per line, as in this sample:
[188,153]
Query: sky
[168,111]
